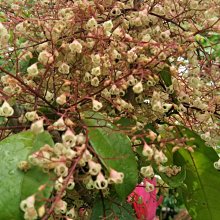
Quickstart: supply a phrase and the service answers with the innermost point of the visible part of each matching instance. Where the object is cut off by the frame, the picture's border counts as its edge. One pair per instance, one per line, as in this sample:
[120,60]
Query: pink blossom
[145,203]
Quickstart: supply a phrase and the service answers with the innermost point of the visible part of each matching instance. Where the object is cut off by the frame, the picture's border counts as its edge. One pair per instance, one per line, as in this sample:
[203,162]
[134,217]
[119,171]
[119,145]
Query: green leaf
[202,179]
[166,76]
[114,209]
[17,185]
[114,149]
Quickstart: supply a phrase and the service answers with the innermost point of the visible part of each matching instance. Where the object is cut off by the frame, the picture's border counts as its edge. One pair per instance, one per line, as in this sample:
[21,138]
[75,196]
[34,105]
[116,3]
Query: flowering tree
[97,95]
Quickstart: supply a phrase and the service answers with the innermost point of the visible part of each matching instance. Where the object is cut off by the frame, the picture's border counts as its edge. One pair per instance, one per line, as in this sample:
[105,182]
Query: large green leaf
[112,209]
[202,179]
[17,185]
[114,149]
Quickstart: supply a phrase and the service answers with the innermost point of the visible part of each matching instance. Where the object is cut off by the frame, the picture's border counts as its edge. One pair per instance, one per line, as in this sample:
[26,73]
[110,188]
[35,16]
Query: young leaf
[202,179]
[17,185]
[114,149]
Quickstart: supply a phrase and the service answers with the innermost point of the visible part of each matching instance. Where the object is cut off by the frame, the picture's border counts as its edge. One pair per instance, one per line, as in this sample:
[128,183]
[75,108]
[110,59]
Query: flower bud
[61,100]
[152,135]
[80,139]
[86,156]
[37,126]
[33,70]
[49,96]
[147,151]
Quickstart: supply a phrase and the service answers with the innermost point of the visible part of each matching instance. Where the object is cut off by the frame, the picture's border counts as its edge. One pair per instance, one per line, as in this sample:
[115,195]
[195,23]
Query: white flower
[108,25]
[38,126]
[94,168]
[45,57]
[33,70]
[6,110]
[138,88]
[61,100]
[59,125]
[92,24]
[147,171]
[76,46]
[96,105]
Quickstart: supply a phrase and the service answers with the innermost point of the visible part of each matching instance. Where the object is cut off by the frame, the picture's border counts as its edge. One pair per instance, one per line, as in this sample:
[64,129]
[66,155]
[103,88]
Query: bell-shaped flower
[147,171]
[101,182]
[94,168]
[6,110]
[61,170]
[37,126]
[138,88]
[71,213]
[27,203]
[61,100]
[59,125]
[69,139]
[115,177]
[60,207]
[96,105]
[147,151]
[76,46]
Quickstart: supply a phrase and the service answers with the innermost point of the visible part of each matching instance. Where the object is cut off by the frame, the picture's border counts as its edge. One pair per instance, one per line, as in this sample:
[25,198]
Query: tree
[97,95]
